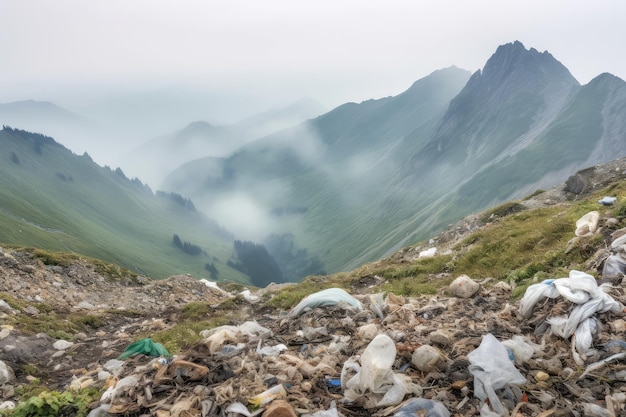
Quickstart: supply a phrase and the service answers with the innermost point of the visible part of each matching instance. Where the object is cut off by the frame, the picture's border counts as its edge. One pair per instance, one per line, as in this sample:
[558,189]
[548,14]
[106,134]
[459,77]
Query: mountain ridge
[379,179]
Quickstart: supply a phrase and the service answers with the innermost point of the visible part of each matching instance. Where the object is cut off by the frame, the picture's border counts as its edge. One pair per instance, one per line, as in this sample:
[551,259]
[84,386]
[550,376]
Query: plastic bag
[534,294]
[146,347]
[588,224]
[614,267]
[432,408]
[492,370]
[607,201]
[584,335]
[374,377]
[328,297]
[522,349]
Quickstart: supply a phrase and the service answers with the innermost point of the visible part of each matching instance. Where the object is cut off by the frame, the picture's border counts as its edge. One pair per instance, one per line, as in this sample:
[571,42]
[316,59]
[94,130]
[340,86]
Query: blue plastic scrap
[607,201]
[431,407]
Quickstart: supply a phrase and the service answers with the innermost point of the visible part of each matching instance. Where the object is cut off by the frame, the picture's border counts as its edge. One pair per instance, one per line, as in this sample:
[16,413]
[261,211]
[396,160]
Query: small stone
[439,337]
[279,408]
[458,385]
[84,305]
[542,376]
[552,366]
[7,405]
[426,358]
[33,311]
[57,354]
[464,286]
[619,326]
[4,306]
[7,376]
[566,373]
[367,332]
[62,345]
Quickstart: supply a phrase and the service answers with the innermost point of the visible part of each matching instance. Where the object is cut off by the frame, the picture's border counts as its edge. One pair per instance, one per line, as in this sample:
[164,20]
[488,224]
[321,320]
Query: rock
[439,337]
[464,286]
[7,405]
[7,376]
[426,358]
[33,311]
[542,376]
[4,333]
[618,326]
[458,385]
[62,345]
[368,332]
[4,306]
[279,408]
[84,305]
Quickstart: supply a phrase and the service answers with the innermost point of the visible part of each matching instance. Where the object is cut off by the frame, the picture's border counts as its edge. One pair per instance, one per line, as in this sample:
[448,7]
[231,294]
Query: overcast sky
[280,50]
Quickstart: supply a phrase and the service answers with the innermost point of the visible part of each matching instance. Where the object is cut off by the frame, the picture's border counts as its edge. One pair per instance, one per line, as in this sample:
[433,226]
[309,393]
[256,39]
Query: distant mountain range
[293,194]
[365,179]
[156,158]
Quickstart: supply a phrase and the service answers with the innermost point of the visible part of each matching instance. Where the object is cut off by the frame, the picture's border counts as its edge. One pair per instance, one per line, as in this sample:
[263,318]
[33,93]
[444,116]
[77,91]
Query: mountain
[53,199]
[156,158]
[320,174]
[365,179]
[36,114]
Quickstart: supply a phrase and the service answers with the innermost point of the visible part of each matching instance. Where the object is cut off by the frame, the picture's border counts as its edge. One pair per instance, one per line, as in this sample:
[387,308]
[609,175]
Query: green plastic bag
[144,346]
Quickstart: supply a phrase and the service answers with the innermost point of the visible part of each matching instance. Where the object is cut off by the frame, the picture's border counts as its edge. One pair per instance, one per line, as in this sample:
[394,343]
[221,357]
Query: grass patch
[536,193]
[502,210]
[415,286]
[186,333]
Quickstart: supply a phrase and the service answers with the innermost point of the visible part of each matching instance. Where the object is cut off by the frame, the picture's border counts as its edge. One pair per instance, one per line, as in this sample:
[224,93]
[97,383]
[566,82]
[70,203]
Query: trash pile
[337,355]
[467,351]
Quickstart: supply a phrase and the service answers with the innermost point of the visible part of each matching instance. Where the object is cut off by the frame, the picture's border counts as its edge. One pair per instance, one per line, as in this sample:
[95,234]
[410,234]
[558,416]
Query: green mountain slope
[53,199]
[325,175]
[366,179]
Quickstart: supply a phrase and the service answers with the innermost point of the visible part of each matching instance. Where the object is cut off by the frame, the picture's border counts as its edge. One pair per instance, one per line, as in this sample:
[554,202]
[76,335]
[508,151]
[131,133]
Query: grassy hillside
[510,242]
[53,199]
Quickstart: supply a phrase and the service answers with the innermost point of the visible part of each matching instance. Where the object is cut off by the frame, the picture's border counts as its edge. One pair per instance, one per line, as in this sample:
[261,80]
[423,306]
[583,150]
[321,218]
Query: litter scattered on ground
[469,350]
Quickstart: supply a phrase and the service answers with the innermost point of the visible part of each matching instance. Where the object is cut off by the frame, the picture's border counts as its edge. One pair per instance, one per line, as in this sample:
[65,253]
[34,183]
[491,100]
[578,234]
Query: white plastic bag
[534,294]
[374,378]
[492,370]
[328,297]
[588,224]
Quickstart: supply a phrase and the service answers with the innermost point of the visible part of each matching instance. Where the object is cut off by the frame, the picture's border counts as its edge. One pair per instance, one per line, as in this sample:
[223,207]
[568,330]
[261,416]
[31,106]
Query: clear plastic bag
[492,370]
[614,267]
[374,377]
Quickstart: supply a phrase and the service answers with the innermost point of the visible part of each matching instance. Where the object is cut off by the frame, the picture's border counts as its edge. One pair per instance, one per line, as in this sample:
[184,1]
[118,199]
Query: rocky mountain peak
[512,61]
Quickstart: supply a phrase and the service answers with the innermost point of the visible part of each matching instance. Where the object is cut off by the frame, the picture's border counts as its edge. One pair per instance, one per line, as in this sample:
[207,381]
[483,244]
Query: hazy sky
[270,52]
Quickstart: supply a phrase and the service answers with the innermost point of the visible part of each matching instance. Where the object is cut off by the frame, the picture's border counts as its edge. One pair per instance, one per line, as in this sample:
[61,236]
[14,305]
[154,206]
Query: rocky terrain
[66,321]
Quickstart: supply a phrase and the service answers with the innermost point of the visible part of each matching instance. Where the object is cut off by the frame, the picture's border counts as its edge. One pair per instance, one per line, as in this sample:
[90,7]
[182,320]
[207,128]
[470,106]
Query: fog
[133,73]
